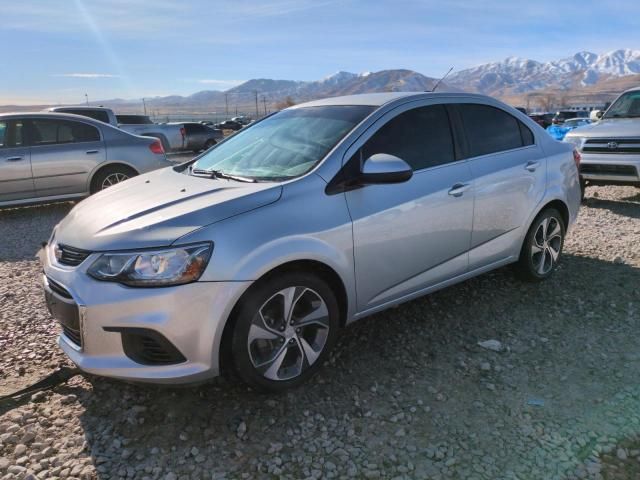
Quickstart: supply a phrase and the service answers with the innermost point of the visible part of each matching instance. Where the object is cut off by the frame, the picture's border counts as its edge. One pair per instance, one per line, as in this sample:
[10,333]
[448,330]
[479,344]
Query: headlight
[153,268]
[578,142]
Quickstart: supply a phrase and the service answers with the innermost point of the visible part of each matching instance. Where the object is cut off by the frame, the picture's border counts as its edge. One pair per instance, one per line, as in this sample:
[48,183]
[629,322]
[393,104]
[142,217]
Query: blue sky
[55,51]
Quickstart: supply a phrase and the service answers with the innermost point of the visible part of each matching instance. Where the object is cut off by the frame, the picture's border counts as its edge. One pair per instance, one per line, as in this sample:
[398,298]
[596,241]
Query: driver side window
[421,137]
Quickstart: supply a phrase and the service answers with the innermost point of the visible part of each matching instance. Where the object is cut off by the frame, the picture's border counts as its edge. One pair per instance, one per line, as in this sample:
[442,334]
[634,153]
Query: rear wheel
[208,144]
[110,176]
[284,331]
[542,247]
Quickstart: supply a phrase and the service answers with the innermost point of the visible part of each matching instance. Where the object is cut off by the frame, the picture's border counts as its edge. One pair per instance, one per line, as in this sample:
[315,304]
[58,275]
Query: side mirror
[384,168]
[599,114]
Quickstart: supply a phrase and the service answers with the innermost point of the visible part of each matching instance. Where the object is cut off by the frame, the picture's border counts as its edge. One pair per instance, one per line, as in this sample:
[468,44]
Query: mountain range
[583,77]
[516,75]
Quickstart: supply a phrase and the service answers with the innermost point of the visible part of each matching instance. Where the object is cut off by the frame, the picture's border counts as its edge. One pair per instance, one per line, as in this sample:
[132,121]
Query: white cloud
[86,75]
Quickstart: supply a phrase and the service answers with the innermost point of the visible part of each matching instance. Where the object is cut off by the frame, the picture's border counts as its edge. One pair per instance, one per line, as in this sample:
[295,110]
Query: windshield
[285,145]
[626,106]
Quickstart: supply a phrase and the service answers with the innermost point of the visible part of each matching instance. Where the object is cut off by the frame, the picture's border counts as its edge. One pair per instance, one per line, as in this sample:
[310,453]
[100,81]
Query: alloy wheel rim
[288,333]
[113,179]
[547,242]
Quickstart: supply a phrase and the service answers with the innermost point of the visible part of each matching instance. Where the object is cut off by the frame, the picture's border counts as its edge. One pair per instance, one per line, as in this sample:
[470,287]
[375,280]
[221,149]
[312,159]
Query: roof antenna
[439,81]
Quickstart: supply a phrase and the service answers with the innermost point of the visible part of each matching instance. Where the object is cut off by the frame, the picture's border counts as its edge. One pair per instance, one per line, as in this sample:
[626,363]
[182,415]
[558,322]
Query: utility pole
[226,105]
[264,102]
[255,92]
[86,97]
[145,106]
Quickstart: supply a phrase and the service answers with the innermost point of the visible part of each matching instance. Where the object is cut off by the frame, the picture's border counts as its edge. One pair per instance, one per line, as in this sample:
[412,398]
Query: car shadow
[629,208]
[423,354]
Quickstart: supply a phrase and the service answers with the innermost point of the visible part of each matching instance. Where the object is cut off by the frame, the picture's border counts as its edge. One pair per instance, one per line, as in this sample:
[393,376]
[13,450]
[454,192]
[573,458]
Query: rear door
[509,177]
[16,181]
[63,154]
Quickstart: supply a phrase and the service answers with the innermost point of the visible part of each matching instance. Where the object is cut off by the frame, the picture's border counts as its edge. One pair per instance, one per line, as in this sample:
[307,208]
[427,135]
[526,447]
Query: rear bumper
[190,318]
[610,168]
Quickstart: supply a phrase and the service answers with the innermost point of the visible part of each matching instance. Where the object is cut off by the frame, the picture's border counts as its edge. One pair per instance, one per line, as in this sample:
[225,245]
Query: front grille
[620,170]
[612,145]
[59,289]
[72,334]
[147,347]
[70,256]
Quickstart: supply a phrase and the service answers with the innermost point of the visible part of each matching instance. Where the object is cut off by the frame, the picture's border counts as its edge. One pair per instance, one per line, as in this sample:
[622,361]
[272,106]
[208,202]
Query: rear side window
[490,130]
[194,128]
[52,132]
[421,137]
[100,115]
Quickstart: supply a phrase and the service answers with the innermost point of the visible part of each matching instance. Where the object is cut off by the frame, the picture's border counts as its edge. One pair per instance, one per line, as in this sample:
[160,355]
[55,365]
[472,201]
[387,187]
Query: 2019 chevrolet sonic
[254,255]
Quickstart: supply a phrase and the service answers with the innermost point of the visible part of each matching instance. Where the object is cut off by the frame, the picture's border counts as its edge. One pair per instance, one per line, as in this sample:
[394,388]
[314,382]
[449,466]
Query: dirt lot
[409,393]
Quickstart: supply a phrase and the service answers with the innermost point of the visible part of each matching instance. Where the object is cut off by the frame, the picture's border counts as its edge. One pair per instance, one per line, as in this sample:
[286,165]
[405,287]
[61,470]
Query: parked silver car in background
[54,156]
[172,136]
[254,255]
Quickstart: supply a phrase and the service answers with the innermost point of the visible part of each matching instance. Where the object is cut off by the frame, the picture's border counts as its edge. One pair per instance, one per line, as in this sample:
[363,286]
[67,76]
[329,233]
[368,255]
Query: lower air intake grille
[147,347]
[72,334]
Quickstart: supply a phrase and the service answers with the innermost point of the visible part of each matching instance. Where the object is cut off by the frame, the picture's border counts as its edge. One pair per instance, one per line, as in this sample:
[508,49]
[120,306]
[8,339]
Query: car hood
[156,209]
[620,127]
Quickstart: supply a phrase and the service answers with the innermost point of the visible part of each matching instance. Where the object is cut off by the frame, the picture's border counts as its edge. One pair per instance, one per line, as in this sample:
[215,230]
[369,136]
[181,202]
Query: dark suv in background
[563,115]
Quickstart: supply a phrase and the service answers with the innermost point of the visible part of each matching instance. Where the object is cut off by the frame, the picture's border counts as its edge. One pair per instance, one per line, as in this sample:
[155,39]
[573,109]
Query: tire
[273,353]
[111,175]
[542,248]
[208,144]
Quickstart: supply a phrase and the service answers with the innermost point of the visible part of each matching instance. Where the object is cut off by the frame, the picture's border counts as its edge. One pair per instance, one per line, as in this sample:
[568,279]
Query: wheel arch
[102,166]
[324,271]
[556,203]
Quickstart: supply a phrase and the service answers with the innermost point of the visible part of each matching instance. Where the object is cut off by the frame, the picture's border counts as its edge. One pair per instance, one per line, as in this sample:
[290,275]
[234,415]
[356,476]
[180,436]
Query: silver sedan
[254,256]
[48,157]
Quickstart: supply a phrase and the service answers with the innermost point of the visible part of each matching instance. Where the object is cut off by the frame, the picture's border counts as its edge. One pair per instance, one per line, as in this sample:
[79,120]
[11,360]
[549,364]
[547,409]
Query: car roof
[46,114]
[76,107]
[57,116]
[379,99]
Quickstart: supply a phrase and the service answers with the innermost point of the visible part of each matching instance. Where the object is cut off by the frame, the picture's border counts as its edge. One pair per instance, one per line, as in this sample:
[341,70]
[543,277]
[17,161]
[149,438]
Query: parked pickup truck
[172,136]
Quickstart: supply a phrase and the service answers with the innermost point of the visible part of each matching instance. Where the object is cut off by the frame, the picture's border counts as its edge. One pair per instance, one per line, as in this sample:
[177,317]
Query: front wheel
[284,331]
[542,247]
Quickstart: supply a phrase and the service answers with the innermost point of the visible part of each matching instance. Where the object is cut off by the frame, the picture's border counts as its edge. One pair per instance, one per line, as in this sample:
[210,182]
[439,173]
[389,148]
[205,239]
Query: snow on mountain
[519,75]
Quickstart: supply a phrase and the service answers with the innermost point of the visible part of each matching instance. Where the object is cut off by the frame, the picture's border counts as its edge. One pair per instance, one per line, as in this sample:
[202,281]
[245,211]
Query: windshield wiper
[221,174]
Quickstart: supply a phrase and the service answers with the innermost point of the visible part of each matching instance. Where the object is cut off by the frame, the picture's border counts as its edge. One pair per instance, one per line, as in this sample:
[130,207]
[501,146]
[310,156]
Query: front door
[16,182]
[413,235]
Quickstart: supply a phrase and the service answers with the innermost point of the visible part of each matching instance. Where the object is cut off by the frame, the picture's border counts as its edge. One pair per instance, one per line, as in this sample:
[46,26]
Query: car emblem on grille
[612,145]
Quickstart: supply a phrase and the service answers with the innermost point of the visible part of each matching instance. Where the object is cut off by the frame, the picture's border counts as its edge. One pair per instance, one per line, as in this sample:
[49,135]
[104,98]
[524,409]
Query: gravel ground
[408,393]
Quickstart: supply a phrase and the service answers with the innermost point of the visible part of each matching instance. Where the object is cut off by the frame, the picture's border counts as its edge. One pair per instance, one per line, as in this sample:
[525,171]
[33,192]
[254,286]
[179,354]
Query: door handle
[532,166]
[91,152]
[458,189]
[14,159]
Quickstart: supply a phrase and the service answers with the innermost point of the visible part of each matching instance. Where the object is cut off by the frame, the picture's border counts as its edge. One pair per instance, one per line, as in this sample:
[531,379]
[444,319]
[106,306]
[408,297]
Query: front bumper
[191,317]
[610,168]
